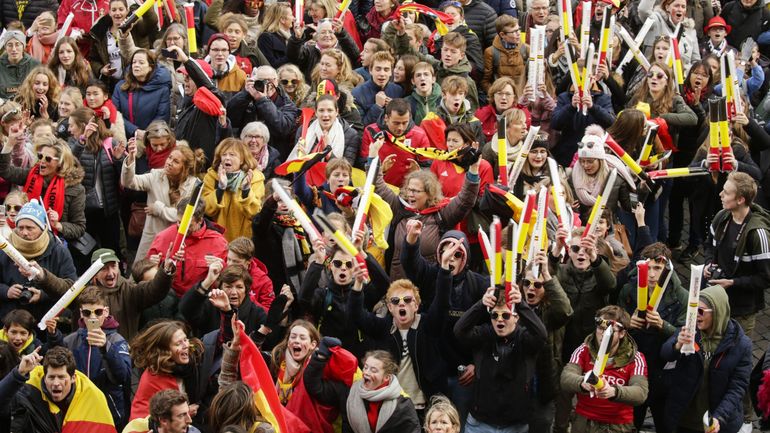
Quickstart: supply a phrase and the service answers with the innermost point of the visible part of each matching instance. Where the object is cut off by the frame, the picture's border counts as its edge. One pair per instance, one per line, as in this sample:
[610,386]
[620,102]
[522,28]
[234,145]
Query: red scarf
[373,408]
[157,159]
[433,209]
[54,194]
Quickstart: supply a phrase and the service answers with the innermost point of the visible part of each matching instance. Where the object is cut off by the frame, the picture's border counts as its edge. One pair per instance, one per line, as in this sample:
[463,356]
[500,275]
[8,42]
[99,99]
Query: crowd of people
[374,216]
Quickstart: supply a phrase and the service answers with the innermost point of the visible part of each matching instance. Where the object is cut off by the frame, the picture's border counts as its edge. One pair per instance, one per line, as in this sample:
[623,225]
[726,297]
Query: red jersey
[600,409]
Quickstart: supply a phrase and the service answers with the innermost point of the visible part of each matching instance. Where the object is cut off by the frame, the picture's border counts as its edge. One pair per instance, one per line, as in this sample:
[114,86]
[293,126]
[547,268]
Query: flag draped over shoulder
[88,411]
[254,372]
[425,152]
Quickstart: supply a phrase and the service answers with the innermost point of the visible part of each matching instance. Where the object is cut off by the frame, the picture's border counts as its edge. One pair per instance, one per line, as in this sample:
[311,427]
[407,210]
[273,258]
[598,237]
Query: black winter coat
[108,167]
[745,22]
[480,17]
[729,370]
[278,115]
[504,366]
[273,46]
[334,393]
[307,56]
[10,13]
[422,338]
[204,317]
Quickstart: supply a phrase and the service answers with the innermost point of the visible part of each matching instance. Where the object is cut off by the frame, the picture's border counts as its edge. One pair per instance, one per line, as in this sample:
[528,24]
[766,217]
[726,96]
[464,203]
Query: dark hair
[8,358]
[234,404]
[140,267]
[627,130]
[464,130]
[615,313]
[327,98]
[233,428]
[59,357]
[655,250]
[410,61]
[199,209]
[162,403]
[703,64]
[21,318]
[132,84]
[399,105]
[98,83]
[233,273]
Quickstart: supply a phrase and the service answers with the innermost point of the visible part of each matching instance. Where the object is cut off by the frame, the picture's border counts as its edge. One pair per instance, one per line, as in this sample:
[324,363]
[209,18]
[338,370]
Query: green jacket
[11,76]
[422,105]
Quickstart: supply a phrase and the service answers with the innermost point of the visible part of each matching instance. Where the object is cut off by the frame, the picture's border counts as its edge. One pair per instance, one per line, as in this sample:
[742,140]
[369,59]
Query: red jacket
[451,177]
[415,137]
[87,13]
[261,294]
[206,241]
[599,409]
[488,117]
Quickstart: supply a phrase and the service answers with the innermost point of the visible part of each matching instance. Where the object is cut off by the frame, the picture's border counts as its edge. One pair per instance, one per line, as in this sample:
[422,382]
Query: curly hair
[151,349]
[430,184]
[301,89]
[26,96]
[80,71]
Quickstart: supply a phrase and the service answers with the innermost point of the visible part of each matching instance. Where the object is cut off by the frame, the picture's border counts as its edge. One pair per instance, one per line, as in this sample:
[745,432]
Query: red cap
[203,65]
[717,22]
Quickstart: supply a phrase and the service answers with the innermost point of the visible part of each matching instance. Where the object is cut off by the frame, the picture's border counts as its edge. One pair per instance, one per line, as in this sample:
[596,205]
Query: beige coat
[162,211]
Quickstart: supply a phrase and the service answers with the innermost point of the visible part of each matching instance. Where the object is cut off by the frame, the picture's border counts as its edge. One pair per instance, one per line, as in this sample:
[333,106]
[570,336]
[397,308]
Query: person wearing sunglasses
[410,336]
[545,296]
[505,354]
[13,204]
[714,378]
[611,407]
[101,353]
[652,331]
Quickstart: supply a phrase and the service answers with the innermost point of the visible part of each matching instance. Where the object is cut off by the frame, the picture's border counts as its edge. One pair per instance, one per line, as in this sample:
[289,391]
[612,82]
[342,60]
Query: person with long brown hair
[101,159]
[144,95]
[234,406]
[164,186]
[291,355]
[170,359]
[68,64]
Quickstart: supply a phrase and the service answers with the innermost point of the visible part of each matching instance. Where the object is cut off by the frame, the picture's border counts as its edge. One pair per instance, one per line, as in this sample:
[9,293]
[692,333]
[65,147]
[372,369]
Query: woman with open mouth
[329,129]
[170,359]
[290,357]
[671,16]
[39,94]
[376,402]
[233,188]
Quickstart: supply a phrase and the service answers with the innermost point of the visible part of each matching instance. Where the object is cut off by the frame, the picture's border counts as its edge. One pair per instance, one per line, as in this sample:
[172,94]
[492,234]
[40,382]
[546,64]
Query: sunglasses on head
[12,112]
[395,300]
[504,315]
[659,75]
[287,82]
[46,158]
[587,145]
[537,284]
[88,313]
[339,263]
[604,323]
[702,311]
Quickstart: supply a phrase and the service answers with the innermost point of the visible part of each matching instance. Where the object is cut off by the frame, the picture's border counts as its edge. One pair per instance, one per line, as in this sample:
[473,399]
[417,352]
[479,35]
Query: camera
[260,85]
[26,295]
[169,54]
[716,271]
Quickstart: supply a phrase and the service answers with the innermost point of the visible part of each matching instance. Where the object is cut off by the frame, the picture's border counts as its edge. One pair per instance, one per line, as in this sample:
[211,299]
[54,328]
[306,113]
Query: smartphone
[92,323]
[168,53]
[2,210]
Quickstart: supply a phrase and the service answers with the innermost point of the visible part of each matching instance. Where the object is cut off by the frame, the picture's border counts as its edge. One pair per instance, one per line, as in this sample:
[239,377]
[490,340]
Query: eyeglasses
[13,207]
[339,263]
[46,158]
[504,315]
[250,137]
[702,311]
[395,300]
[292,82]
[537,284]
[506,94]
[659,75]
[88,313]
[602,324]
[414,191]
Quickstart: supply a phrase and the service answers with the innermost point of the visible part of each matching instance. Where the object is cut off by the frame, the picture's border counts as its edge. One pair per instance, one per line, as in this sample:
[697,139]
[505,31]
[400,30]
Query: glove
[275,314]
[324,348]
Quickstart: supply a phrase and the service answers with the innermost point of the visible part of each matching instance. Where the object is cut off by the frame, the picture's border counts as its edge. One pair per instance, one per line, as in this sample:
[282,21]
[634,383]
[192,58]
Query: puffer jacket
[11,76]
[109,367]
[587,292]
[233,210]
[73,218]
[480,17]
[436,220]
[109,171]
[572,123]
[148,103]
[9,11]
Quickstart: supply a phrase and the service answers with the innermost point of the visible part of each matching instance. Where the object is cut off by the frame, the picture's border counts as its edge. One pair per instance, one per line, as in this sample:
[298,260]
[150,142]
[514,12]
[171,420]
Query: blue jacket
[109,368]
[572,123]
[364,95]
[149,103]
[729,370]
[273,46]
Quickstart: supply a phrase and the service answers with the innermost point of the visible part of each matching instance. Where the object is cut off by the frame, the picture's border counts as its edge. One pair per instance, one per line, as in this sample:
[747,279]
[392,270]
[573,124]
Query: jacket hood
[462,67]
[454,234]
[160,78]
[435,93]
[24,61]
[716,298]
[625,353]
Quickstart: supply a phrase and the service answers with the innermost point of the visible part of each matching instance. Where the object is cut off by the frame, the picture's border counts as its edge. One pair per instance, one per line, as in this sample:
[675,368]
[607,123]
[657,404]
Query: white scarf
[356,408]
[335,138]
